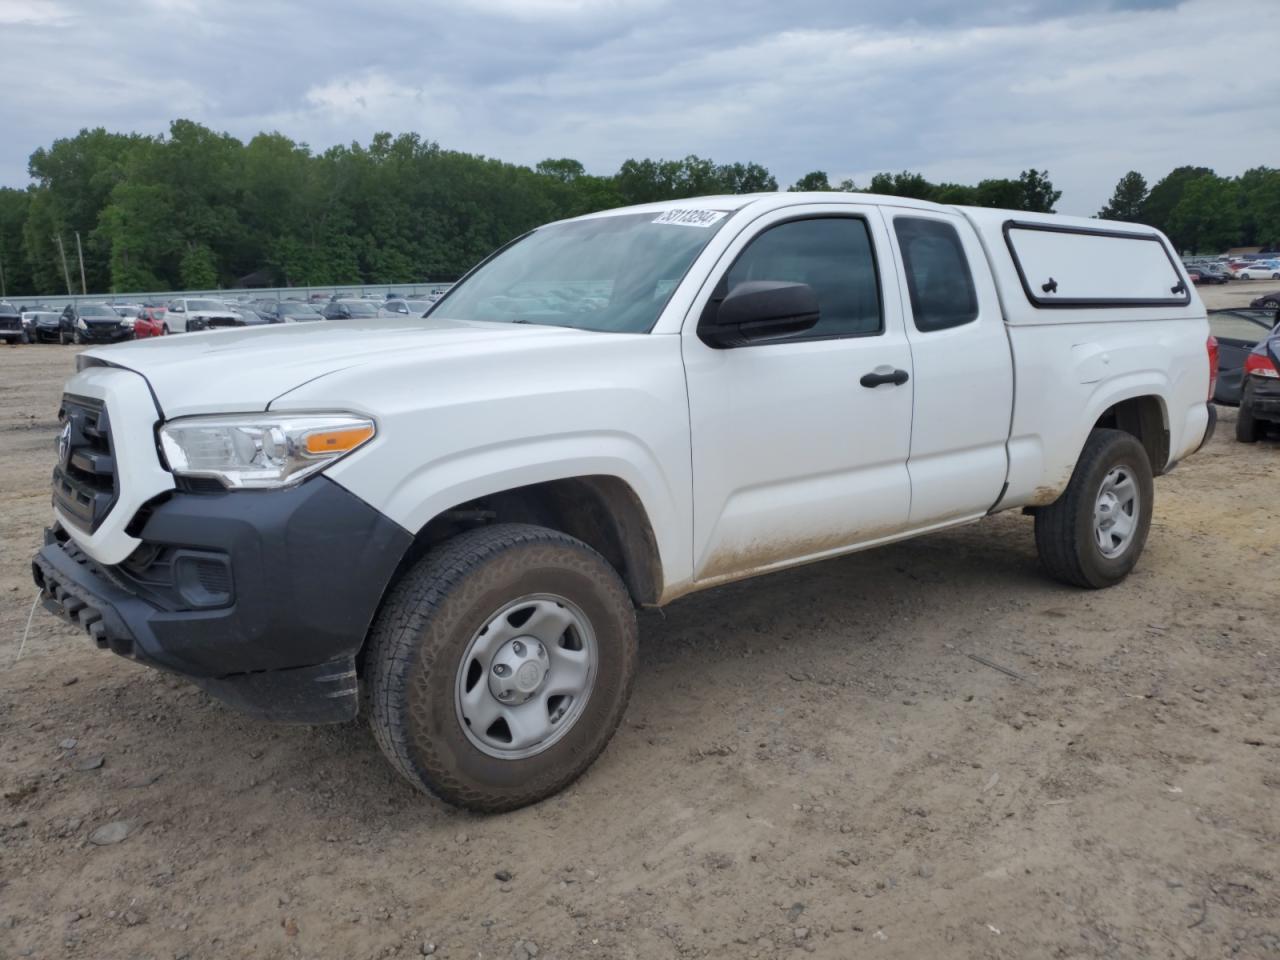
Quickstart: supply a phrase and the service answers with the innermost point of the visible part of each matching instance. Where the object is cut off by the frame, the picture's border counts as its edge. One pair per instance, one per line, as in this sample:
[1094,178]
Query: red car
[150,323]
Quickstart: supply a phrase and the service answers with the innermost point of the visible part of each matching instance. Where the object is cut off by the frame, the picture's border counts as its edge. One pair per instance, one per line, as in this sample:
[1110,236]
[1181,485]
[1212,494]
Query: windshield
[361,308]
[96,310]
[204,305]
[295,310]
[612,274]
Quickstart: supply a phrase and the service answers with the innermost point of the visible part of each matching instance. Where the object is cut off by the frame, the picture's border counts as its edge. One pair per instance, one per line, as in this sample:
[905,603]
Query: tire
[25,338]
[62,337]
[1248,430]
[164,331]
[77,338]
[1066,536]
[441,610]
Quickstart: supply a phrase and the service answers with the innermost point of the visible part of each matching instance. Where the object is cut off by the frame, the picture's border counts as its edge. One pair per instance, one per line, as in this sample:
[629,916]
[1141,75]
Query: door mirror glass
[760,310]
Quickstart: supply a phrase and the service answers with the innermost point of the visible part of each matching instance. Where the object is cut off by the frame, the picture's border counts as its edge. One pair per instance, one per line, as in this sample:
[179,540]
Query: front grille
[10,323]
[84,481]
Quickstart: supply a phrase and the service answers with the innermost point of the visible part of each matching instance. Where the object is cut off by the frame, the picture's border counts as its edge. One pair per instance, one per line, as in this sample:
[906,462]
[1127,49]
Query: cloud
[1085,88]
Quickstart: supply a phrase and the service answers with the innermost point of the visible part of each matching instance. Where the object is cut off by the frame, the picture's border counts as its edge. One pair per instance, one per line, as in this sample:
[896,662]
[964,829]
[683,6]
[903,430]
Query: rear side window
[938,276]
[1070,266]
[832,255]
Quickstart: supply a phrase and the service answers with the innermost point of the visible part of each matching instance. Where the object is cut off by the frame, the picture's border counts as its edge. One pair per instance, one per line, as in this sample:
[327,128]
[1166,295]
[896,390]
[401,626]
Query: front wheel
[1093,534]
[500,665]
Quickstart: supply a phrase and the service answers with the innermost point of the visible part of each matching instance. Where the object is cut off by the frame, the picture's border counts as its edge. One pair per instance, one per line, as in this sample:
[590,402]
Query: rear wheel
[164,331]
[500,665]
[1248,430]
[1093,534]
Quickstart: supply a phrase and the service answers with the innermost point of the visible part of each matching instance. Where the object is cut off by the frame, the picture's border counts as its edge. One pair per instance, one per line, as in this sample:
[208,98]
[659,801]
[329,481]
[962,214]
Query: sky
[958,90]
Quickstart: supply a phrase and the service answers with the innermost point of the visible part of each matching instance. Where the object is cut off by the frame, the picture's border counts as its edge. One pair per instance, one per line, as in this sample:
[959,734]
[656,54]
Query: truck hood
[241,370]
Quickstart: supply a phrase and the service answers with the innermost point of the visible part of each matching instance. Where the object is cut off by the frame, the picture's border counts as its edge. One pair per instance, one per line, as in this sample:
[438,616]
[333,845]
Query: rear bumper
[262,598]
[1262,397]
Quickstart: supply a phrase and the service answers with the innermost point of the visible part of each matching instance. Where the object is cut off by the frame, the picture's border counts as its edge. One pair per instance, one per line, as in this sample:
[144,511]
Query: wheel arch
[601,510]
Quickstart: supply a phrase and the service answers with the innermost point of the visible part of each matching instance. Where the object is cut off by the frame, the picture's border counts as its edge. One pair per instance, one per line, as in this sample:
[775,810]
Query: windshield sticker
[691,218]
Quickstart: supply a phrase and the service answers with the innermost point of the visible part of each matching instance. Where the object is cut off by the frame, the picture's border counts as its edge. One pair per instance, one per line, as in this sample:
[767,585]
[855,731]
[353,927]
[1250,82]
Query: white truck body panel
[743,459]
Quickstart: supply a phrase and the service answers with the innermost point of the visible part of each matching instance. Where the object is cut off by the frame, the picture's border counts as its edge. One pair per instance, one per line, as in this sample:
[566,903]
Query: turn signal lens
[325,442]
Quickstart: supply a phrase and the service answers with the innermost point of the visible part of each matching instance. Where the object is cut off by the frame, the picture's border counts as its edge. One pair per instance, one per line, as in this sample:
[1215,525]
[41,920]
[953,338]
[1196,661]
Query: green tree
[904,184]
[1038,194]
[15,207]
[817,180]
[1206,219]
[1127,201]
[1167,193]
[198,270]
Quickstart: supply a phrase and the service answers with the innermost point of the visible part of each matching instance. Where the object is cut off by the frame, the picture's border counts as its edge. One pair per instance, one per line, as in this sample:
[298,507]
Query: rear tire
[1108,500]
[62,337]
[1248,430]
[423,669]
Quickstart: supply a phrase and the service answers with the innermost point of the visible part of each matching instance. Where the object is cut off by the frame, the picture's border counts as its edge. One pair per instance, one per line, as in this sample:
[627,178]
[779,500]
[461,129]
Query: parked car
[150,323]
[204,310]
[93,323]
[406,308]
[1260,398]
[1237,332]
[42,325]
[1268,301]
[349,309]
[1259,270]
[12,329]
[242,316]
[288,311]
[462,519]
[1208,274]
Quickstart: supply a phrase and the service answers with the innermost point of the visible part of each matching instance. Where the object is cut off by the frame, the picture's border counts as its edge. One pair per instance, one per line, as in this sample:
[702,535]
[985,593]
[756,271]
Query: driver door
[793,456]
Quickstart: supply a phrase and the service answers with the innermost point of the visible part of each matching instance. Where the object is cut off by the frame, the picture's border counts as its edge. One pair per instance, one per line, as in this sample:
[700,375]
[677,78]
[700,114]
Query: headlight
[127,322]
[261,451]
[81,324]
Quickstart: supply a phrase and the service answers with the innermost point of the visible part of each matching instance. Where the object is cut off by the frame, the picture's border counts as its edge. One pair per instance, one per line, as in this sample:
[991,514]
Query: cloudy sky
[956,89]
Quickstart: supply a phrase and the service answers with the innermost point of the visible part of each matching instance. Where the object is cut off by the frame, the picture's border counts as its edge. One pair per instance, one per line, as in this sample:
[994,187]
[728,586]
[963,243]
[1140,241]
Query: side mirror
[759,310]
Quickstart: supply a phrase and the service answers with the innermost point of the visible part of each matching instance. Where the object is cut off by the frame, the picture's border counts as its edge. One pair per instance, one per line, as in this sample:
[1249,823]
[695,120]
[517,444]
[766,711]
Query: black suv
[95,323]
[11,327]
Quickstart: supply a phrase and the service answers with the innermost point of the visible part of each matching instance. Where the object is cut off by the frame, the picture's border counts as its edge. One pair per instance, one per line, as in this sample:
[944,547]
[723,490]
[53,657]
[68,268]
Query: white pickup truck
[448,522]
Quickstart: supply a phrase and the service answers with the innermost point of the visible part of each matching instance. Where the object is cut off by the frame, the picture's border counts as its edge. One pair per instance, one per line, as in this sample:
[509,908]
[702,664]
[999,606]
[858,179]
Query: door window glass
[938,276]
[833,255]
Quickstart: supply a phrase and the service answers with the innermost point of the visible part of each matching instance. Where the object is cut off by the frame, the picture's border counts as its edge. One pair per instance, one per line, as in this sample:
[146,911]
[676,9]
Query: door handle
[875,379]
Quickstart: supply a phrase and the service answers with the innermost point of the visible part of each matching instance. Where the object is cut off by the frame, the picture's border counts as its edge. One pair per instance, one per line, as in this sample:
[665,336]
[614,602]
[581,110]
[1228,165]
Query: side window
[938,276]
[832,255]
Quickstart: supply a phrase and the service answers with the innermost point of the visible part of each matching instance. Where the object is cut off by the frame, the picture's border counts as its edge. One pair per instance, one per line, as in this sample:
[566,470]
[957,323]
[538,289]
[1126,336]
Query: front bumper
[263,598]
[112,334]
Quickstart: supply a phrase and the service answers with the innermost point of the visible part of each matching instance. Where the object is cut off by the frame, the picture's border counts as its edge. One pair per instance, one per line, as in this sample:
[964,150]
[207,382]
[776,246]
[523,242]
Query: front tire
[1093,534]
[500,665]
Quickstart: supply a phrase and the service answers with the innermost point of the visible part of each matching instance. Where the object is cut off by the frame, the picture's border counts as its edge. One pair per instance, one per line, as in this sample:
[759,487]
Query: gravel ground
[813,764]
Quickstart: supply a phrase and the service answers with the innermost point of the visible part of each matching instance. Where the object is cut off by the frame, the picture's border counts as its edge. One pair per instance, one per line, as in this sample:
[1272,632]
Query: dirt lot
[812,764]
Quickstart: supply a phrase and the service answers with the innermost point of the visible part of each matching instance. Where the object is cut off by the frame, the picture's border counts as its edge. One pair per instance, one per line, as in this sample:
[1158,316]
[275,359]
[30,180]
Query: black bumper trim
[310,563]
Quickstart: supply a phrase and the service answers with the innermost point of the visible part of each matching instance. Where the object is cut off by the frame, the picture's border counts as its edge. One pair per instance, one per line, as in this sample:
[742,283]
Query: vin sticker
[691,218]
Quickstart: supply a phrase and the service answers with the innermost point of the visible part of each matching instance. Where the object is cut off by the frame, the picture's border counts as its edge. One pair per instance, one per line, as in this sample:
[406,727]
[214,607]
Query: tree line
[198,209]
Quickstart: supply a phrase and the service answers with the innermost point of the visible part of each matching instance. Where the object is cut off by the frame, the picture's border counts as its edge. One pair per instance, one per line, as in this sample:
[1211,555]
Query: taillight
[1212,346]
[1260,366]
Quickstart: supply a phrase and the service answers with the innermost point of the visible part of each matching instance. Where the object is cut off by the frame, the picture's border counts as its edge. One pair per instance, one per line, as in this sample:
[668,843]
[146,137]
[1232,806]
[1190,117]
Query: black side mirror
[759,310]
